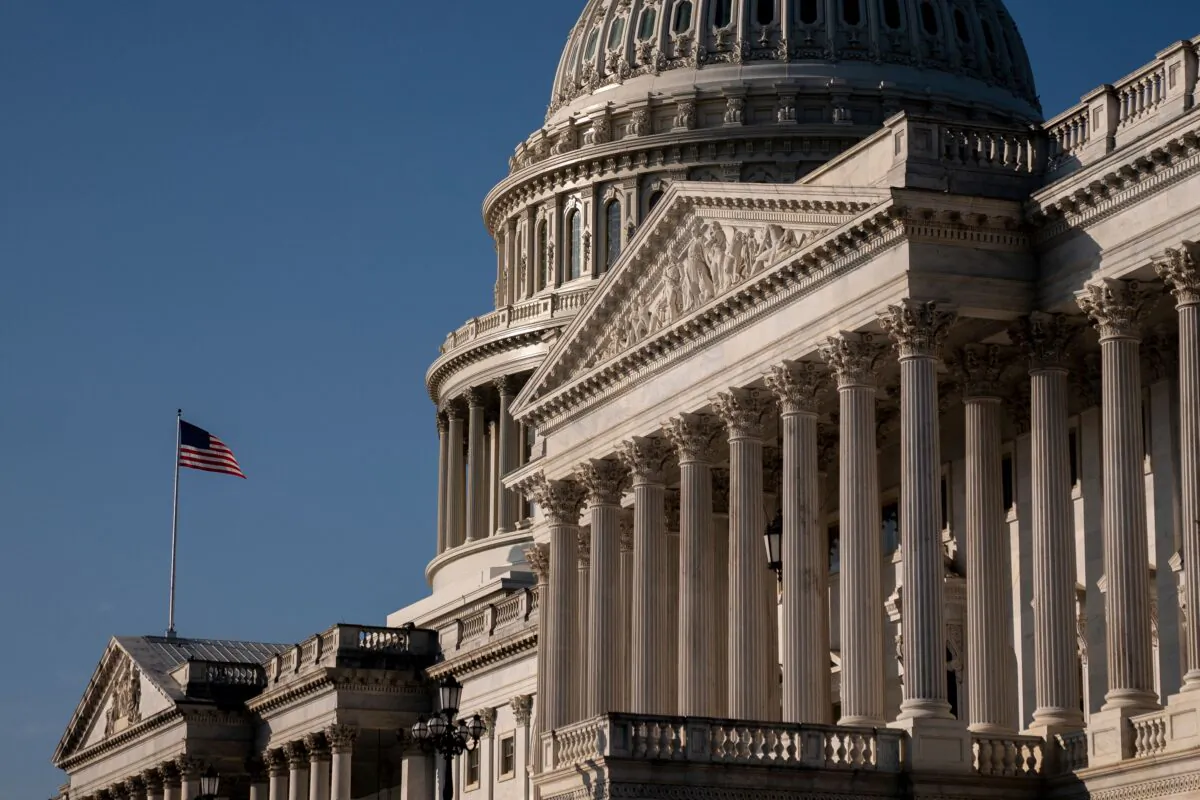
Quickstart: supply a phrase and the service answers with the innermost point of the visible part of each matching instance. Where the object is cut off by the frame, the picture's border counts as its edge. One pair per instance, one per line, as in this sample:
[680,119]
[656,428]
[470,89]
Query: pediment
[705,244]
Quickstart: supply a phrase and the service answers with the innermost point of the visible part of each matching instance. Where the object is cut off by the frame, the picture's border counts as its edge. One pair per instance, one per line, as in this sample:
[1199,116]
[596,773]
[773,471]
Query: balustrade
[1008,756]
[545,307]
[1149,734]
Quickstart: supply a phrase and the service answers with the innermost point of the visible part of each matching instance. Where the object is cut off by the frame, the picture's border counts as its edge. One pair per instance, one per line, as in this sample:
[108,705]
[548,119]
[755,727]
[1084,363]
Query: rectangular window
[508,756]
[471,767]
[1007,478]
[1073,438]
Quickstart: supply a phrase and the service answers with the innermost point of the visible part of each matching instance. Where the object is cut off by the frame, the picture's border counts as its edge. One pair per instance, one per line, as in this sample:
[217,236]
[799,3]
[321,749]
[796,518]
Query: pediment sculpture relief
[125,708]
[708,259]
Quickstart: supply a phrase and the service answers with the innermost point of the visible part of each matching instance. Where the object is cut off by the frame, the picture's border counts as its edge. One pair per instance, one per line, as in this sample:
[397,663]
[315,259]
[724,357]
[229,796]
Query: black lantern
[449,694]
[444,733]
[773,538]
[210,783]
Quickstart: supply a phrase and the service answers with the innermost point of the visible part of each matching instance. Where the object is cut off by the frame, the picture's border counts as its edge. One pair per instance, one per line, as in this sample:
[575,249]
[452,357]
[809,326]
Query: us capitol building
[835,434]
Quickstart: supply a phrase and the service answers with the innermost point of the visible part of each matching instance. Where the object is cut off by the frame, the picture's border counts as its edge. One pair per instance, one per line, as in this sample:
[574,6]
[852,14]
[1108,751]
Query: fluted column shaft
[989,623]
[604,611]
[342,738]
[719,693]
[1180,270]
[277,772]
[1116,308]
[297,771]
[318,775]
[751,664]
[538,556]
[506,501]
[456,475]
[625,674]
[477,491]
[443,453]
[582,655]
[805,641]
[860,589]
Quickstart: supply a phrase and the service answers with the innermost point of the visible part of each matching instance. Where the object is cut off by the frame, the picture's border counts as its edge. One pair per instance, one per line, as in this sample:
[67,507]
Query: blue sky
[267,213]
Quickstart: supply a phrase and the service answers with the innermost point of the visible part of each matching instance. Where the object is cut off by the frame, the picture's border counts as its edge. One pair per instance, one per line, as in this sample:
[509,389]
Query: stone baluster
[189,777]
[456,475]
[719,693]
[560,501]
[477,491]
[1045,338]
[341,745]
[1117,309]
[277,774]
[853,358]
[297,758]
[605,481]
[805,642]
[538,556]
[579,695]
[1180,270]
[318,766]
[751,662]
[625,674]
[649,629]
[693,436]
[989,624]
[443,429]
[918,330]
[506,505]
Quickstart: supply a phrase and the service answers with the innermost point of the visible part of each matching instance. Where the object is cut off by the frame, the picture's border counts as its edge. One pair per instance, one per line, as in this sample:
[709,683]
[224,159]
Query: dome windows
[615,33]
[809,12]
[574,245]
[929,18]
[961,27]
[892,15]
[989,38]
[682,21]
[612,233]
[589,50]
[543,255]
[764,12]
[647,23]
[852,12]
[722,13]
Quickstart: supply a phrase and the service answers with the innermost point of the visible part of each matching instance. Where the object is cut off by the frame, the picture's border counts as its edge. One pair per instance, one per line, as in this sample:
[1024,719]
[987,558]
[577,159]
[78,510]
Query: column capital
[645,458]
[1045,339]
[853,357]
[189,768]
[506,385]
[584,547]
[474,397]
[538,557]
[604,479]
[317,746]
[488,716]
[1179,269]
[694,436]
[133,786]
[560,500]
[743,411]
[275,762]
[626,534]
[978,370]
[296,754]
[153,779]
[169,772]
[341,737]
[453,410]
[443,422]
[522,708]
[917,328]
[720,490]
[797,386]
[1116,307]
[255,768]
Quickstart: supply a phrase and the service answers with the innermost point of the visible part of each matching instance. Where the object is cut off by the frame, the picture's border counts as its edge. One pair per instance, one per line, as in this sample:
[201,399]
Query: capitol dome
[945,52]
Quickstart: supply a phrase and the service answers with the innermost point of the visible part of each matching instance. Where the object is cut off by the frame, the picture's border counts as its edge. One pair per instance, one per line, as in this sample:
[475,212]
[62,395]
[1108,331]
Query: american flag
[199,449]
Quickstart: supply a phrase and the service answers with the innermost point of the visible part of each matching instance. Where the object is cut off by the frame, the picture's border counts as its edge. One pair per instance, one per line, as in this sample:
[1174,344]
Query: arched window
[646,28]
[809,12]
[929,19]
[852,12]
[589,51]
[961,27]
[655,197]
[612,234]
[764,12]
[892,16]
[543,256]
[722,13]
[575,245]
[989,38]
[615,33]
[683,17]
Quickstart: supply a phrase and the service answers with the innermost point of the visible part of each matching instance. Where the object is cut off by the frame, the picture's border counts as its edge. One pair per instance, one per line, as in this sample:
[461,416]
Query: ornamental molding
[478,351]
[1117,308]
[484,658]
[1179,269]
[104,747]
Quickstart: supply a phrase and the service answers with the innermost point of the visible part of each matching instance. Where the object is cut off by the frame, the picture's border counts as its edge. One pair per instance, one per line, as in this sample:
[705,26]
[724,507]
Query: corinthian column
[277,774]
[649,651]
[720,495]
[805,644]
[506,501]
[443,448]
[605,481]
[693,436]
[624,675]
[561,502]
[341,744]
[477,490]
[297,758]
[1045,337]
[853,358]
[538,556]
[918,330]
[1180,270]
[456,474]
[1117,309]
[318,766]
[989,623]
[582,654]
[751,660]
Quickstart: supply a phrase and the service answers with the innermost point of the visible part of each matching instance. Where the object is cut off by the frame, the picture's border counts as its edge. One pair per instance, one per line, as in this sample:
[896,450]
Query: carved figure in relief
[698,282]
[776,242]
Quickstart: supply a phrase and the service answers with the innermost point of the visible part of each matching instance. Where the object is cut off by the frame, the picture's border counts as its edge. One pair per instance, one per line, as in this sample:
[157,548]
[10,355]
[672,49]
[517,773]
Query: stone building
[817,269]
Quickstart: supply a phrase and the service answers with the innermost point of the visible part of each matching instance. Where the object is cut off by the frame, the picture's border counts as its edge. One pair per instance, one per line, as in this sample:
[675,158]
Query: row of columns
[474,453]
[917,331]
[176,779]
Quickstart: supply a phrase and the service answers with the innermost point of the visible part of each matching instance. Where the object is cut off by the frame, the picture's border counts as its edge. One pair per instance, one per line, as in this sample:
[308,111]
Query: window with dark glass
[508,756]
[951,684]
[961,27]
[891,527]
[543,255]
[989,38]
[471,767]
[945,504]
[1073,446]
[646,28]
[834,548]
[722,13]
[929,20]
[764,12]
[575,256]
[852,12]
[589,51]
[654,199]
[683,17]
[809,12]
[892,16]
[1008,479]
[616,32]
[612,234]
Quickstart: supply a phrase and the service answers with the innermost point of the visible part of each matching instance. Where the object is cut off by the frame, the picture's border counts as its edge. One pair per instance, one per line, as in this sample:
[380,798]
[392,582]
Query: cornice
[479,350]
[475,660]
[1094,195]
[159,720]
[285,695]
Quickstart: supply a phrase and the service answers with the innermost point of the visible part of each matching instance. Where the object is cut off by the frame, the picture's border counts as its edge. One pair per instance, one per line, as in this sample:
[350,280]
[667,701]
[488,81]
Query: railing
[701,740]
[1073,751]
[1141,95]
[548,306]
[1008,756]
[324,649]
[1066,136]
[236,675]
[989,148]
[1149,734]
[512,612]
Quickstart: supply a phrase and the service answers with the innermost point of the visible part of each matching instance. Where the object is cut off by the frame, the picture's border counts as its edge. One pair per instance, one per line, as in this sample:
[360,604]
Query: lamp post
[210,784]
[441,733]
[773,538]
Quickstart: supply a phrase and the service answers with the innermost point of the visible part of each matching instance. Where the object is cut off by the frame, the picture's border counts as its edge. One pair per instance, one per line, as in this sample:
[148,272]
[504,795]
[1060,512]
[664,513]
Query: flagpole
[174,528]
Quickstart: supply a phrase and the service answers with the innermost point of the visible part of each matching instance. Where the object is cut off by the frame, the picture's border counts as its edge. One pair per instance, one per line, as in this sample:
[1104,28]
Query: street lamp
[773,538]
[210,784]
[443,733]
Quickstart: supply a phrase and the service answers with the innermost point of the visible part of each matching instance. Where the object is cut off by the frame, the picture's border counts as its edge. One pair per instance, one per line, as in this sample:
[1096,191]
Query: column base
[1055,760]
[1181,718]
[1111,737]
[936,745]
